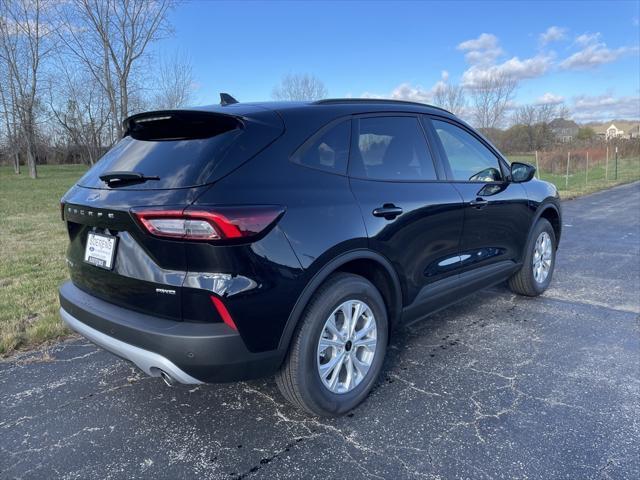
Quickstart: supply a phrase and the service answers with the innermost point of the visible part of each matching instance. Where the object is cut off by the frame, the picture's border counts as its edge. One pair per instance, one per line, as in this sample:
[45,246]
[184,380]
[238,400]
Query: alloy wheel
[347,346]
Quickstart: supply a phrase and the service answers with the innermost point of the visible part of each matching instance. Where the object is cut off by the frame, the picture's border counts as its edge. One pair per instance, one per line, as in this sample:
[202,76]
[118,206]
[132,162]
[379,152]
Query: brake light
[219,223]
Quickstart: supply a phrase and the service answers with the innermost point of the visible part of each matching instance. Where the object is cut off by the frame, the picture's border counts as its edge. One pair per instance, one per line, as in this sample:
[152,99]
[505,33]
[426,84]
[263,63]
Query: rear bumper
[188,352]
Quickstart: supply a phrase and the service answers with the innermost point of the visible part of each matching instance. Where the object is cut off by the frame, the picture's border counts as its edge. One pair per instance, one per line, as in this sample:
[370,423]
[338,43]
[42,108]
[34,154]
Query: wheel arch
[366,263]
[551,213]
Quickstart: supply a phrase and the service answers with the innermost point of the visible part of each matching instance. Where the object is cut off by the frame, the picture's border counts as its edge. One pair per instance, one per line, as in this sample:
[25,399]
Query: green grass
[33,242]
[598,178]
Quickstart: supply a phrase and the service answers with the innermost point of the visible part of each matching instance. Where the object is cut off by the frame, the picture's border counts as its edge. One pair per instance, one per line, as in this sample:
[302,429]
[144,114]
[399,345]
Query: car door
[496,215]
[412,214]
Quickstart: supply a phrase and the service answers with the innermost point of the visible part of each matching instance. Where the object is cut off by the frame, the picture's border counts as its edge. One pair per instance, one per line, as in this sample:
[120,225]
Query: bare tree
[24,44]
[175,82]
[299,87]
[450,97]
[109,38]
[490,98]
[535,119]
[9,116]
[81,110]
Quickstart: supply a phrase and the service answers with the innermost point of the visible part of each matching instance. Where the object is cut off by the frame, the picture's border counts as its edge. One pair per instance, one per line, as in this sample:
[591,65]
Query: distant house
[613,132]
[564,130]
[634,132]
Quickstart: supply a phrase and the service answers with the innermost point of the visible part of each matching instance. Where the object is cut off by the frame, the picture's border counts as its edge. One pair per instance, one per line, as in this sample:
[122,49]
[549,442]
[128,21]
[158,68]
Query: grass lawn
[33,240]
[628,171]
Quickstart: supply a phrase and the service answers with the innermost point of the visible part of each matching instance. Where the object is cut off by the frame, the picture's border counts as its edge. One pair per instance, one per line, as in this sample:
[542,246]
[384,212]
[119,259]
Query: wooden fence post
[566,178]
[606,166]
[586,180]
[537,166]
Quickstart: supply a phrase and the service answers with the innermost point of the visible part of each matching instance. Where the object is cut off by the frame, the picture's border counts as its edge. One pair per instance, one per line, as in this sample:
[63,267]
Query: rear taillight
[208,224]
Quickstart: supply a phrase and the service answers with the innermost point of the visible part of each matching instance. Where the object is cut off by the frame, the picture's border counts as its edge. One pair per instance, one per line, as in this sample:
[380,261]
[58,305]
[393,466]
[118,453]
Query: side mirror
[522,172]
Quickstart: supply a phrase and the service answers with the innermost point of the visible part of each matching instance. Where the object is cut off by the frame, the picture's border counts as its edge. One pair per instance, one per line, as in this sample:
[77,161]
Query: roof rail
[335,101]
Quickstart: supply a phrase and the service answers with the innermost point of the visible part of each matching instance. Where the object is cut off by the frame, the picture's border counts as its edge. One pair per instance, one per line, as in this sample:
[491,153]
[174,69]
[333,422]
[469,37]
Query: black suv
[243,240]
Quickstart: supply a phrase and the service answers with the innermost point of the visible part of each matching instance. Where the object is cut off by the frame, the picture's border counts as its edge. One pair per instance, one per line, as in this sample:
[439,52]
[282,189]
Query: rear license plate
[100,250]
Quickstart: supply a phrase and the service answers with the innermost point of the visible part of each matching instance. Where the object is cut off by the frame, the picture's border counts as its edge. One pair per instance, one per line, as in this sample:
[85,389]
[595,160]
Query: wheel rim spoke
[369,343]
[327,368]
[330,326]
[335,372]
[329,343]
[364,331]
[357,311]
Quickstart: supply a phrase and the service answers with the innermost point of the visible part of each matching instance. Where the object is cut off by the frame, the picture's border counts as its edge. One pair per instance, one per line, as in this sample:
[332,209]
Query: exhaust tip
[168,379]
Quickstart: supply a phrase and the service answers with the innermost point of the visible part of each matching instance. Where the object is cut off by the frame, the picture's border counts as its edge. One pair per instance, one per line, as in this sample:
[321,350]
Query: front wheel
[338,348]
[534,276]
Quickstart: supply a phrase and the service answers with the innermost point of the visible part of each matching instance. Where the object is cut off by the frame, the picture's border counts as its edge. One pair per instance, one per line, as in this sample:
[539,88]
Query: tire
[525,282]
[299,379]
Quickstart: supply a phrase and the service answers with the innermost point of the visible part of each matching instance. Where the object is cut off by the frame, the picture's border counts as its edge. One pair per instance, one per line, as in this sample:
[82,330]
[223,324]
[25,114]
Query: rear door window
[391,148]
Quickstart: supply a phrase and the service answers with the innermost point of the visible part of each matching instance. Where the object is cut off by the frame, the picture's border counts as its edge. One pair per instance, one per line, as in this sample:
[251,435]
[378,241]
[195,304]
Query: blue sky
[582,53]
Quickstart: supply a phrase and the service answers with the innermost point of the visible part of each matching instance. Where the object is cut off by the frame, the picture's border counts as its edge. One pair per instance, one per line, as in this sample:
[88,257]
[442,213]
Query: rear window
[327,150]
[180,149]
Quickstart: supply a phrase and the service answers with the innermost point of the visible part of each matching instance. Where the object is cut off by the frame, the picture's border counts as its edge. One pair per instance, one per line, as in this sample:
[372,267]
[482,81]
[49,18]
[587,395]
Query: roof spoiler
[179,124]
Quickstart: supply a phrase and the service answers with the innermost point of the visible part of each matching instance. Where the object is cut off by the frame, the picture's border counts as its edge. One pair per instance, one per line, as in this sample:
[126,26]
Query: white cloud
[553,34]
[593,52]
[587,39]
[549,99]
[594,55]
[483,42]
[482,54]
[412,93]
[406,91]
[482,50]
[514,68]
[587,108]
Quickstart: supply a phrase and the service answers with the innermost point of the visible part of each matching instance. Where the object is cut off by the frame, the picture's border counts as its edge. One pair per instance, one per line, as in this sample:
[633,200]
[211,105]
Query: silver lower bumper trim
[149,362]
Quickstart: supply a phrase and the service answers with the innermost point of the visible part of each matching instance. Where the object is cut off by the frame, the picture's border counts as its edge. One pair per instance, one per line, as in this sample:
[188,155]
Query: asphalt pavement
[498,386]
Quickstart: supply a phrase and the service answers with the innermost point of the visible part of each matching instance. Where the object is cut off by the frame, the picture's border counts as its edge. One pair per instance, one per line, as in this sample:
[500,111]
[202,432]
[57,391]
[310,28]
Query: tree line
[72,71]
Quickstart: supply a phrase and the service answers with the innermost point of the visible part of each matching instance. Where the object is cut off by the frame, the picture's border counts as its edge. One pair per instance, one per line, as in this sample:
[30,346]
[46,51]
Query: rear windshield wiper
[114,178]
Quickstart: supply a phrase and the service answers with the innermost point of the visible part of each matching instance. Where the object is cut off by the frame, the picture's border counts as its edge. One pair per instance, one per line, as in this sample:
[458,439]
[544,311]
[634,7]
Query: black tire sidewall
[348,287]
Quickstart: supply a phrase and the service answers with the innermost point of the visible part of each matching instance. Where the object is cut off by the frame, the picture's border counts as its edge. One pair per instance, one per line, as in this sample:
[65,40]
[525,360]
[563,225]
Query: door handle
[478,203]
[388,211]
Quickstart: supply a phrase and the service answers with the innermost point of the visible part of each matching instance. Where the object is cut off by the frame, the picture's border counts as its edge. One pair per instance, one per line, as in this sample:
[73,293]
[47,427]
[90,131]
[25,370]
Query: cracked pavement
[497,386]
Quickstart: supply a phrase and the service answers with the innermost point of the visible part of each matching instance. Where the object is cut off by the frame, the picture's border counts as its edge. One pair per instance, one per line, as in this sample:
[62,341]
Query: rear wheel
[338,348]
[534,276]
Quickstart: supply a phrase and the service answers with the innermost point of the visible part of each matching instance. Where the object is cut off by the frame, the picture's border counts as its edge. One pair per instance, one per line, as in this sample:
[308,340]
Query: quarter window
[391,148]
[469,159]
[327,150]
